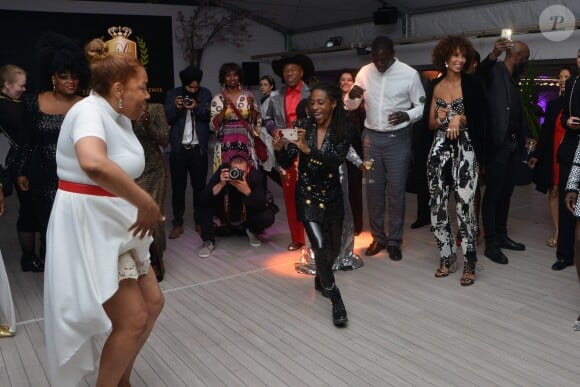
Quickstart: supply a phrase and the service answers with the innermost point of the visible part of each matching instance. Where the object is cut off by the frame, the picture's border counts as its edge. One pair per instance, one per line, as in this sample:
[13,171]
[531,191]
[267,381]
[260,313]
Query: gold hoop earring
[120,103]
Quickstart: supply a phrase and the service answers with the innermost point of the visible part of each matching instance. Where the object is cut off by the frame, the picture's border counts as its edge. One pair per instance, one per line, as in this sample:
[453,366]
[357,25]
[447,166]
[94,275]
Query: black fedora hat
[299,59]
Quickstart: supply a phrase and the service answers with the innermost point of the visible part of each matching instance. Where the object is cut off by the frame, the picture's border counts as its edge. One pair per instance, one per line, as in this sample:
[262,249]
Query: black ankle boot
[37,265]
[339,317]
[30,262]
[318,286]
[26,262]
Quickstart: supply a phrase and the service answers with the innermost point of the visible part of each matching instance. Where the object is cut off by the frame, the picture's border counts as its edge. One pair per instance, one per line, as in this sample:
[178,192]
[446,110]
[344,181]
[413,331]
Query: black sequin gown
[39,162]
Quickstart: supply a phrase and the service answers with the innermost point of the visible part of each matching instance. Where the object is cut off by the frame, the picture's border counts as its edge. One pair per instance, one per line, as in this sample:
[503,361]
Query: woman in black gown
[65,67]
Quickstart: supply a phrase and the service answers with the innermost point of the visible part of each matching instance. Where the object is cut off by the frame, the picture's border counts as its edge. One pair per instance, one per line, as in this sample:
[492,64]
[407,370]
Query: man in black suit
[507,136]
[566,151]
[188,111]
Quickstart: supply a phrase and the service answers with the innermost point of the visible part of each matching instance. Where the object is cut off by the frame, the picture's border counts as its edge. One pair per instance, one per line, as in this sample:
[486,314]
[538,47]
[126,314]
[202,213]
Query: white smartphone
[290,134]
[506,33]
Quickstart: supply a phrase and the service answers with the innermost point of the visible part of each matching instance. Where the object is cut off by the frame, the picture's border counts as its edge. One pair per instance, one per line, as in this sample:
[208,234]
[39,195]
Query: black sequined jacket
[318,191]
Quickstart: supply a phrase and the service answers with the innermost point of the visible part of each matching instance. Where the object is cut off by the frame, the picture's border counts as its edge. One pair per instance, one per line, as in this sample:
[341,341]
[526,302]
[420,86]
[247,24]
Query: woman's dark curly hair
[226,68]
[447,47]
[56,54]
[339,122]
[346,71]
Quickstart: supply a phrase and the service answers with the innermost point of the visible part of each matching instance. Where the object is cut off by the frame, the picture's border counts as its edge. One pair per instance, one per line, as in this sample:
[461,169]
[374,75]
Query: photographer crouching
[236,194]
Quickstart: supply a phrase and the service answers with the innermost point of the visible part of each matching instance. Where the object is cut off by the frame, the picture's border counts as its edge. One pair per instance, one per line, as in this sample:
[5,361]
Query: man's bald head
[517,58]
[519,49]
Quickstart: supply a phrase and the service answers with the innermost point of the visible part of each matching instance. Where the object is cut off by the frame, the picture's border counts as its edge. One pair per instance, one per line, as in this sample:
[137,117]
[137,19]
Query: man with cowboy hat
[281,113]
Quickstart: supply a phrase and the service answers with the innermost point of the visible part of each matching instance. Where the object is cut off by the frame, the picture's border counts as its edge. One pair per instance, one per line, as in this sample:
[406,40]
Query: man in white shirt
[394,96]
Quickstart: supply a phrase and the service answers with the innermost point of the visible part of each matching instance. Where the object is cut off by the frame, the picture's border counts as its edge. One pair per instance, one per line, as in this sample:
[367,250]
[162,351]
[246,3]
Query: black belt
[390,133]
[189,146]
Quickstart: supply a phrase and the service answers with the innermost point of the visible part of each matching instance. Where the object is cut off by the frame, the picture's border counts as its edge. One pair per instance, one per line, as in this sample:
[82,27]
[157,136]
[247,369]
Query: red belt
[86,189]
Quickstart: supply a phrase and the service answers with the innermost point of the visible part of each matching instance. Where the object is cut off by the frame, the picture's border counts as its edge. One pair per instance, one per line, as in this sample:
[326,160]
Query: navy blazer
[176,118]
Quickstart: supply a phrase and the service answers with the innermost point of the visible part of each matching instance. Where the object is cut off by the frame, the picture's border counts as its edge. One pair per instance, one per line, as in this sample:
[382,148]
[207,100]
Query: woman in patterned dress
[152,131]
[455,109]
[233,129]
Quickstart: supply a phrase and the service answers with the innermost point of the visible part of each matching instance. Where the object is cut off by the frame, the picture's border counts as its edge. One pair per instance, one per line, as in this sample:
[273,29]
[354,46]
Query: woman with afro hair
[455,110]
[62,70]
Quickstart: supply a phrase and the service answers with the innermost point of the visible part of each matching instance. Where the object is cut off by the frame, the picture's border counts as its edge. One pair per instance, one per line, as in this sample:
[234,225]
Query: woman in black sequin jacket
[322,145]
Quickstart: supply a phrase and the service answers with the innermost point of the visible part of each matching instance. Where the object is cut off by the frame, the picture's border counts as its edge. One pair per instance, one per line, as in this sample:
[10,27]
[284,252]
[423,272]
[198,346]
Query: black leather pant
[325,242]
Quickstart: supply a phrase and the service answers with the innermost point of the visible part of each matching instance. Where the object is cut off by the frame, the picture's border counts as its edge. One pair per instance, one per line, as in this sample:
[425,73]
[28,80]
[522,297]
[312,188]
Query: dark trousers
[355,196]
[420,146]
[566,220]
[499,178]
[256,220]
[325,239]
[185,162]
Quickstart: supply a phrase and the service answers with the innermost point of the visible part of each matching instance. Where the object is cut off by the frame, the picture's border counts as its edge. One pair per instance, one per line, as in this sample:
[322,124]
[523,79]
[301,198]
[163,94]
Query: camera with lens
[187,100]
[236,174]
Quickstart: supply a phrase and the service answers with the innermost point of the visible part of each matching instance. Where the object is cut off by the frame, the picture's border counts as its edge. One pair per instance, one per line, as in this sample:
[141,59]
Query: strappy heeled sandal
[552,242]
[446,266]
[468,271]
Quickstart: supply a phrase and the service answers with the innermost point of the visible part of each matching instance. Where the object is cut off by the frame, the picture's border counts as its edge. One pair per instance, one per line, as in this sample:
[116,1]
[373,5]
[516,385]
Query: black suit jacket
[570,142]
[496,84]
[544,171]
[176,117]
[476,111]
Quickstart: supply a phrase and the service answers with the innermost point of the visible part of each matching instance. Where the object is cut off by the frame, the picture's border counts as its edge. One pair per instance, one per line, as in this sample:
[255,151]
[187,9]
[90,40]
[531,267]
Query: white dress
[86,235]
[7,315]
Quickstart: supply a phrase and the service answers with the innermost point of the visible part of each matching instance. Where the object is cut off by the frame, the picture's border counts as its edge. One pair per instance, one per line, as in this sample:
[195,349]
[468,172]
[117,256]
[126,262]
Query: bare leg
[128,313]
[154,302]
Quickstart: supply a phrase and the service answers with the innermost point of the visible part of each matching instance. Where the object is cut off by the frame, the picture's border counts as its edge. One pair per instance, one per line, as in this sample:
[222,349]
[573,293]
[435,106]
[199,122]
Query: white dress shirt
[189,135]
[399,88]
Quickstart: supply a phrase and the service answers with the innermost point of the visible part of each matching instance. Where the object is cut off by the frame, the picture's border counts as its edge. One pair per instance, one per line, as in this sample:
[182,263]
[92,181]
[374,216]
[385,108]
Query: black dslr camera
[236,174]
[187,100]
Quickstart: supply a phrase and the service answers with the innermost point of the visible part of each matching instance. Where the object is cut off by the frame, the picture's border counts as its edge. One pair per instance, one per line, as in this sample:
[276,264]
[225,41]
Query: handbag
[259,146]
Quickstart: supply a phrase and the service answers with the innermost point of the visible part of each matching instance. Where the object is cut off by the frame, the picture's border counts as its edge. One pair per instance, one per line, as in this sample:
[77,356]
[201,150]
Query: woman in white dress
[7,316]
[97,273]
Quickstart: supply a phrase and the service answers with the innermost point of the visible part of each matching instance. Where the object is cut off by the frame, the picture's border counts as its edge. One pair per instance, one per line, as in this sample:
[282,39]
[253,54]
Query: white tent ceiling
[302,15]
[294,16]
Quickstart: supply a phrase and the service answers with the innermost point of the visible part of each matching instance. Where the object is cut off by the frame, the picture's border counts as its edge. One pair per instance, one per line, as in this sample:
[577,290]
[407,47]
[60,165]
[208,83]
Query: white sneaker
[254,241]
[206,249]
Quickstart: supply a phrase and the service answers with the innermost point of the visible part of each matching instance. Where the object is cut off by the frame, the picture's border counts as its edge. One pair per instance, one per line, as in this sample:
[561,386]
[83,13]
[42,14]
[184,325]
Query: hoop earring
[120,103]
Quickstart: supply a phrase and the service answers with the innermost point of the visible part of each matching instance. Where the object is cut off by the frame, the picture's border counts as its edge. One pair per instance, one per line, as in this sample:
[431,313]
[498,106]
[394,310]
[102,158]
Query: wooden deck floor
[244,317]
